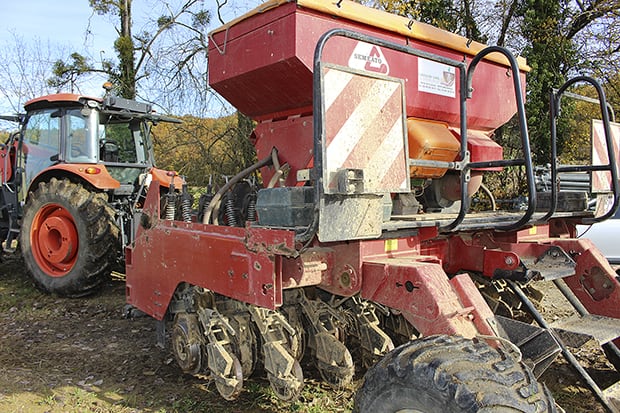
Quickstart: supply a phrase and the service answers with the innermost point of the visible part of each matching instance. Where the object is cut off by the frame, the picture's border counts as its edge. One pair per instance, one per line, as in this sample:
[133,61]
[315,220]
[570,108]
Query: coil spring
[252,208]
[170,207]
[186,207]
[230,212]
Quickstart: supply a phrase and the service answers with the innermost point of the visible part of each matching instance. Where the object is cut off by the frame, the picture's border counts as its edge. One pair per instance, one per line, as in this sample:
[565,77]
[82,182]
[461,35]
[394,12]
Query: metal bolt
[509,260]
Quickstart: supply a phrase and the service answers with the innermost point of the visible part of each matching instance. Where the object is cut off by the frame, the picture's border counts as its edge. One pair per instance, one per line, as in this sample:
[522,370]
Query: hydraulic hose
[214,206]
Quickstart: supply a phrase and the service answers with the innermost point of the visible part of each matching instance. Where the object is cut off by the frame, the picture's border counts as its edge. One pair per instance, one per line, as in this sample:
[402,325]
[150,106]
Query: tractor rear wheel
[439,374]
[69,238]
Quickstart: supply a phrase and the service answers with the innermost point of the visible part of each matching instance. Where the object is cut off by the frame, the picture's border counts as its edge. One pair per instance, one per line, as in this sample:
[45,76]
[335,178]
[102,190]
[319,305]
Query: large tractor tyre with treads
[441,374]
[69,238]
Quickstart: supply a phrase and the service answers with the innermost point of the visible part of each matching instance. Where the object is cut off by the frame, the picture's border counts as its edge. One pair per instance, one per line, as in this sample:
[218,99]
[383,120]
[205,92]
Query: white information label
[436,78]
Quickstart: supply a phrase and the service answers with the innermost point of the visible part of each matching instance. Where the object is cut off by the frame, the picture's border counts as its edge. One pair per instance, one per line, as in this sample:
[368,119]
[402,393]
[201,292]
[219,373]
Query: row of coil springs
[186,201]
[239,204]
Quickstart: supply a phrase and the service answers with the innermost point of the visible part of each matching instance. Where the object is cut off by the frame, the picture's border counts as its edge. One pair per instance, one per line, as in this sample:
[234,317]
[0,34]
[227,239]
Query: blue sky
[65,22]
[60,22]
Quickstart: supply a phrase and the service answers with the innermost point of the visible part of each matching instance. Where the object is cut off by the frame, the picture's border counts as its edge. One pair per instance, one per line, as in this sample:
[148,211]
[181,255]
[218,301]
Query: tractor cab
[74,160]
[71,129]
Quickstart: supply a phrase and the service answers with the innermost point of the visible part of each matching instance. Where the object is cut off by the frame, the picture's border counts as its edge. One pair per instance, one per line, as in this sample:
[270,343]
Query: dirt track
[81,355]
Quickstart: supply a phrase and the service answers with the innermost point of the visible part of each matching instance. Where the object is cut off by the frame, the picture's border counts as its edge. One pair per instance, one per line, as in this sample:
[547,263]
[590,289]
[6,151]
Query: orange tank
[430,140]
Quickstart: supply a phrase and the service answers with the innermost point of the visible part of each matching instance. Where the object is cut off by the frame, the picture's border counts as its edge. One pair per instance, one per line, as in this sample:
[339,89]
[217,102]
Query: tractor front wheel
[440,374]
[69,238]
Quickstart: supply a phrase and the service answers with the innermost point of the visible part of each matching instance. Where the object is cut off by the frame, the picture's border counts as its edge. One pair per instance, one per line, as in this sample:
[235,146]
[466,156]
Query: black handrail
[463,165]
[611,166]
[525,140]
[319,124]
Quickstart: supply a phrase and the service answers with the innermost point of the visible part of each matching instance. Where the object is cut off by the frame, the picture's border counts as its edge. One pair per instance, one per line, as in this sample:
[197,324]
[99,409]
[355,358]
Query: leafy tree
[557,50]
[205,150]
[551,55]
[577,146]
[445,14]
[69,73]
[125,75]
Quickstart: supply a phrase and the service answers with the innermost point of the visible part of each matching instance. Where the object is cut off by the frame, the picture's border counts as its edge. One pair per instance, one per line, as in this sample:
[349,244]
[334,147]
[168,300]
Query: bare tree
[24,70]
[174,59]
[171,45]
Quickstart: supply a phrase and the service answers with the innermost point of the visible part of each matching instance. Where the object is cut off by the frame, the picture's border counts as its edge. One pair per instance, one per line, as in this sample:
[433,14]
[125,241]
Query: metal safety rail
[525,139]
[556,169]
[463,165]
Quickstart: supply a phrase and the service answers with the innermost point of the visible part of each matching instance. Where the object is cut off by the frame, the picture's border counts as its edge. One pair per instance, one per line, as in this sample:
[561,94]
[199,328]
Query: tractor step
[576,330]
[553,264]
[9,245]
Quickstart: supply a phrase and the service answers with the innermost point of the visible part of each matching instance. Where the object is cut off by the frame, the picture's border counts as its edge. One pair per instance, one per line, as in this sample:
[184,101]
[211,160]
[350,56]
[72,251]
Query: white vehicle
[605,237]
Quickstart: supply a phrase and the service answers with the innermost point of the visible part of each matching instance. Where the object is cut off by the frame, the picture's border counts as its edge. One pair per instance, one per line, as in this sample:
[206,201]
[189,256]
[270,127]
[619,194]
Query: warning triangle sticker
[369,57]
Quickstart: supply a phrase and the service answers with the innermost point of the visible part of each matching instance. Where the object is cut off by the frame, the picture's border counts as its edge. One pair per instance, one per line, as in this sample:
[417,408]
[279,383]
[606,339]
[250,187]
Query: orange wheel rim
[54,240]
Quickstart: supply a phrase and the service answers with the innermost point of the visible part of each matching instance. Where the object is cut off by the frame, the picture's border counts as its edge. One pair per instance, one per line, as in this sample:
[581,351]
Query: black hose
[214,206]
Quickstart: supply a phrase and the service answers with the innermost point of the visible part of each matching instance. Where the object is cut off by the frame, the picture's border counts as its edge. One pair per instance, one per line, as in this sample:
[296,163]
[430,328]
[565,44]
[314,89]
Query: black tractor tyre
[69,238]
[441,374]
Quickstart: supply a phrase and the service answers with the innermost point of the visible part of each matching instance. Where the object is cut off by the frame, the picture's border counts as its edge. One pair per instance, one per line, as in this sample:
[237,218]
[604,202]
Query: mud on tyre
[440,374]
[69,238]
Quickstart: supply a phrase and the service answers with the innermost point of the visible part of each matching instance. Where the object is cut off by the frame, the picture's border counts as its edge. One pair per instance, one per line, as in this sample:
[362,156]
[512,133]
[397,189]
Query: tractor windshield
[122,140]
[40,145]
[110,138]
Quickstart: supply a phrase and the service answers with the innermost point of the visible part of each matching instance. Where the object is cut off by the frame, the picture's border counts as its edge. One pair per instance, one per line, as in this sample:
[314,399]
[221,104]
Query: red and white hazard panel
[601,180]
[365,129]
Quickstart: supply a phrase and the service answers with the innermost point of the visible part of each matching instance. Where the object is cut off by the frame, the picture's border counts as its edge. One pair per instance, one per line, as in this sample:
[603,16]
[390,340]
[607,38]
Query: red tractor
[73,181]
[360,247]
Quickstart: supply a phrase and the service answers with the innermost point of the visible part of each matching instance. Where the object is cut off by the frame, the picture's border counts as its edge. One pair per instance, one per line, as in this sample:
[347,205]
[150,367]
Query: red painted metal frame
[418,276]
[241,263]
[255,265]
[406,277]
[595,283]
[266,70]
[425,296]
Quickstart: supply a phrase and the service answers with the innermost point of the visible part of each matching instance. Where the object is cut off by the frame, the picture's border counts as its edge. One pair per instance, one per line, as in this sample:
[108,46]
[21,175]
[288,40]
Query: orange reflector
[91,170]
